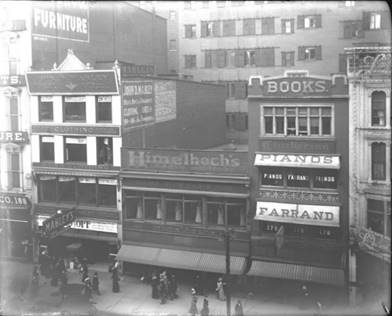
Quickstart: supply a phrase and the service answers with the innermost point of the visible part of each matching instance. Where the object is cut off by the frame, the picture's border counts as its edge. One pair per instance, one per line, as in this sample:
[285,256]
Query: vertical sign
[138,103]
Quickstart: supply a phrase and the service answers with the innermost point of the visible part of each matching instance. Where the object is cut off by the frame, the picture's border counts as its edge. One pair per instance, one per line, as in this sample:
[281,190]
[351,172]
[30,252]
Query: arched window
[378,108]
[378,161]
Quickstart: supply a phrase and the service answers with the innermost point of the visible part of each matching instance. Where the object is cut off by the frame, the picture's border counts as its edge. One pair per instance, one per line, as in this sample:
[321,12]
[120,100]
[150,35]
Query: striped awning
[297,272]
[180,259]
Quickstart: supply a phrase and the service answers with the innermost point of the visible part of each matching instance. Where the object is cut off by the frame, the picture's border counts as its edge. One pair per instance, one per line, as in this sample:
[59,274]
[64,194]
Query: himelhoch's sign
[297,160]
[184,160]
[58,222]
[318,215]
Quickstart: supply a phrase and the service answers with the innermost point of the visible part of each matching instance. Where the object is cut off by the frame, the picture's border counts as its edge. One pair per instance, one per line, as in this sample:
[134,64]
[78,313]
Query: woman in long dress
[220,293]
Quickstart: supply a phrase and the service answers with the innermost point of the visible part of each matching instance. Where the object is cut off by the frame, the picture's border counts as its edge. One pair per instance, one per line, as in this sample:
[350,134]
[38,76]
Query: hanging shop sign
[67,20]
[372,242]
[184,160]
[14,137]
[137,103]
[14,201]
[92,82]
[76,130]
[318,215]
[57,223]
[13,80]
[297,160]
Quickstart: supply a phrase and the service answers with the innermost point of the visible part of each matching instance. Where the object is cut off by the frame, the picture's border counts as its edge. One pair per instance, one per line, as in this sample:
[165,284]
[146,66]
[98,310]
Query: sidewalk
[135,299]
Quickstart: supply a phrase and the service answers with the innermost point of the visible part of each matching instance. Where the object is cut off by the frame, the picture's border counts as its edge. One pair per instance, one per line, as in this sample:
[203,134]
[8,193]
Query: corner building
[298,146]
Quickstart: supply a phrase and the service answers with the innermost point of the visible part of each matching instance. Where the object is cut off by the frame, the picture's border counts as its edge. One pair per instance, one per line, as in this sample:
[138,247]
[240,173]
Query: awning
[180,259]
[297,272]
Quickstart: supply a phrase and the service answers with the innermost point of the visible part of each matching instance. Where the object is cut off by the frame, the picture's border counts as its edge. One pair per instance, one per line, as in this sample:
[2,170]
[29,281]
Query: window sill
[206,226]
[69,162]
[74,121]
[328,138]
[45,121]
[104,122]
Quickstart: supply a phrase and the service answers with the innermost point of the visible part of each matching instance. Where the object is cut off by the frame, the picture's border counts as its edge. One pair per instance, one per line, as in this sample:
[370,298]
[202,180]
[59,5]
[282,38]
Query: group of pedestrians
[163,286]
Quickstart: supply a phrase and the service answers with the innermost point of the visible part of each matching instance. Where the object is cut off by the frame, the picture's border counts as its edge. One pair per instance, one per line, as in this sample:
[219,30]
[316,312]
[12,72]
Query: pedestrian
[205,311]
[238,311]
[87,288]
[35,283]
[63,285]
[154,285]
[84,270]
[96,284]
[163,290]
[197,284]
[305,296]
[173,287]
[116,279]
[193,309]
[220,293]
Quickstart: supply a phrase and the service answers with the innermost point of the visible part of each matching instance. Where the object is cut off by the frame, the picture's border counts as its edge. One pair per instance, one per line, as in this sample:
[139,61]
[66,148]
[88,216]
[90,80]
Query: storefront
[177,206]
[299,148]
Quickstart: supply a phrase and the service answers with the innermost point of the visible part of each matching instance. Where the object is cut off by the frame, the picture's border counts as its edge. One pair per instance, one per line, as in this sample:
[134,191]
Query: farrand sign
[185,161]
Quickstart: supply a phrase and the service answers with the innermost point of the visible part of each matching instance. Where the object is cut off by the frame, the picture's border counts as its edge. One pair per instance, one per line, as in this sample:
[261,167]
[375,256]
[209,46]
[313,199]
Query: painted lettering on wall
[13,201]
[14,137]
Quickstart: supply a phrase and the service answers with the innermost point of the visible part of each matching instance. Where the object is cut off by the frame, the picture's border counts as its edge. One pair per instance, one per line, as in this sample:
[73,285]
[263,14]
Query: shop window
[67,189]
[174,208]
[47,188]
[324,232]
[309,53]
[104,109]
[14,113]
[105,150]
[46,148]
[192,210]
[14,172]
[272,176]
[298,121]
[379,216]
[268,25]
[152,206]
[249,27]
[287,26]
[190,31]
[235,212]
[228,28]
[190,61]
[74,109]
[378,161]
[325,179]
[107,192]
[298,178]
[250,56]
[269,227]
[215,212]
[75,149]
[45,108]
[133,205]
[288,59]
[378,108]
[87,191]
[295,230]
[309,21]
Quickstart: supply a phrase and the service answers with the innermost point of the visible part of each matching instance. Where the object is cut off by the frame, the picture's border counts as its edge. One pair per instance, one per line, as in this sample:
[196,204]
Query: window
[190,61]
[208,59]
[250,56]
[187,5]
[104,151]
[172,44]
[237,89]
[133,206]
[249,27]
[192,210]
[14,171]
[104,109]
[266,57]
[172,15]
[174,208]
[46,148]
[190,31]
[378,108]
[349,3]
[352,29]
[268,25]
[288,26]
[74,109]
[288,59]
[87,191]
[309,53]
[107,192]
[66,189]
[14,113]
[375,21]
[210,28]
[309,21]
[75,149]
[47,188]
[215,212]
[298,178]
[45,108]
[325,179]
[272,176]
[379,216]
[221,58]
[13,66]
[298,121]
[378,161]
[228,28]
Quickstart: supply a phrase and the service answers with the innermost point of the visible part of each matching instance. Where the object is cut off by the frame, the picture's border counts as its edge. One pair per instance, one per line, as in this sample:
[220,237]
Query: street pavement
[134,298]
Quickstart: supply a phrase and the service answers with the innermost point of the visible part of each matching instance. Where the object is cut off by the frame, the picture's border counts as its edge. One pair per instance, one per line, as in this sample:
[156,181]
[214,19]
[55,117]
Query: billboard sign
[165,100]
[61,19]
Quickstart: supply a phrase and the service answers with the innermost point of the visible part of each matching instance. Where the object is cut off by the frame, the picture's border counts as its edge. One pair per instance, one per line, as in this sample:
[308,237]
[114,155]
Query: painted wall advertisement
[165,100]
[137,104]
[66,20]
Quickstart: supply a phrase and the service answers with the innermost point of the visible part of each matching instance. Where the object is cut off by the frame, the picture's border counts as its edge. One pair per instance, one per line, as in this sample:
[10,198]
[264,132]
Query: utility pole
[228,294]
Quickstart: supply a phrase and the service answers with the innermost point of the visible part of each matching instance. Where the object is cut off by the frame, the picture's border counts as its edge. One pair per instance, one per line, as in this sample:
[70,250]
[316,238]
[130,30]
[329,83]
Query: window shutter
[385,20]
[283,26]
[214,58]
[239,58]
[216,28]
[300,21]
[318,20]
[203,30]
[258,57]
[366,20]
[318,52]
[292,25]
[283,58]
[292,58]
[207,59]
[301,53]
